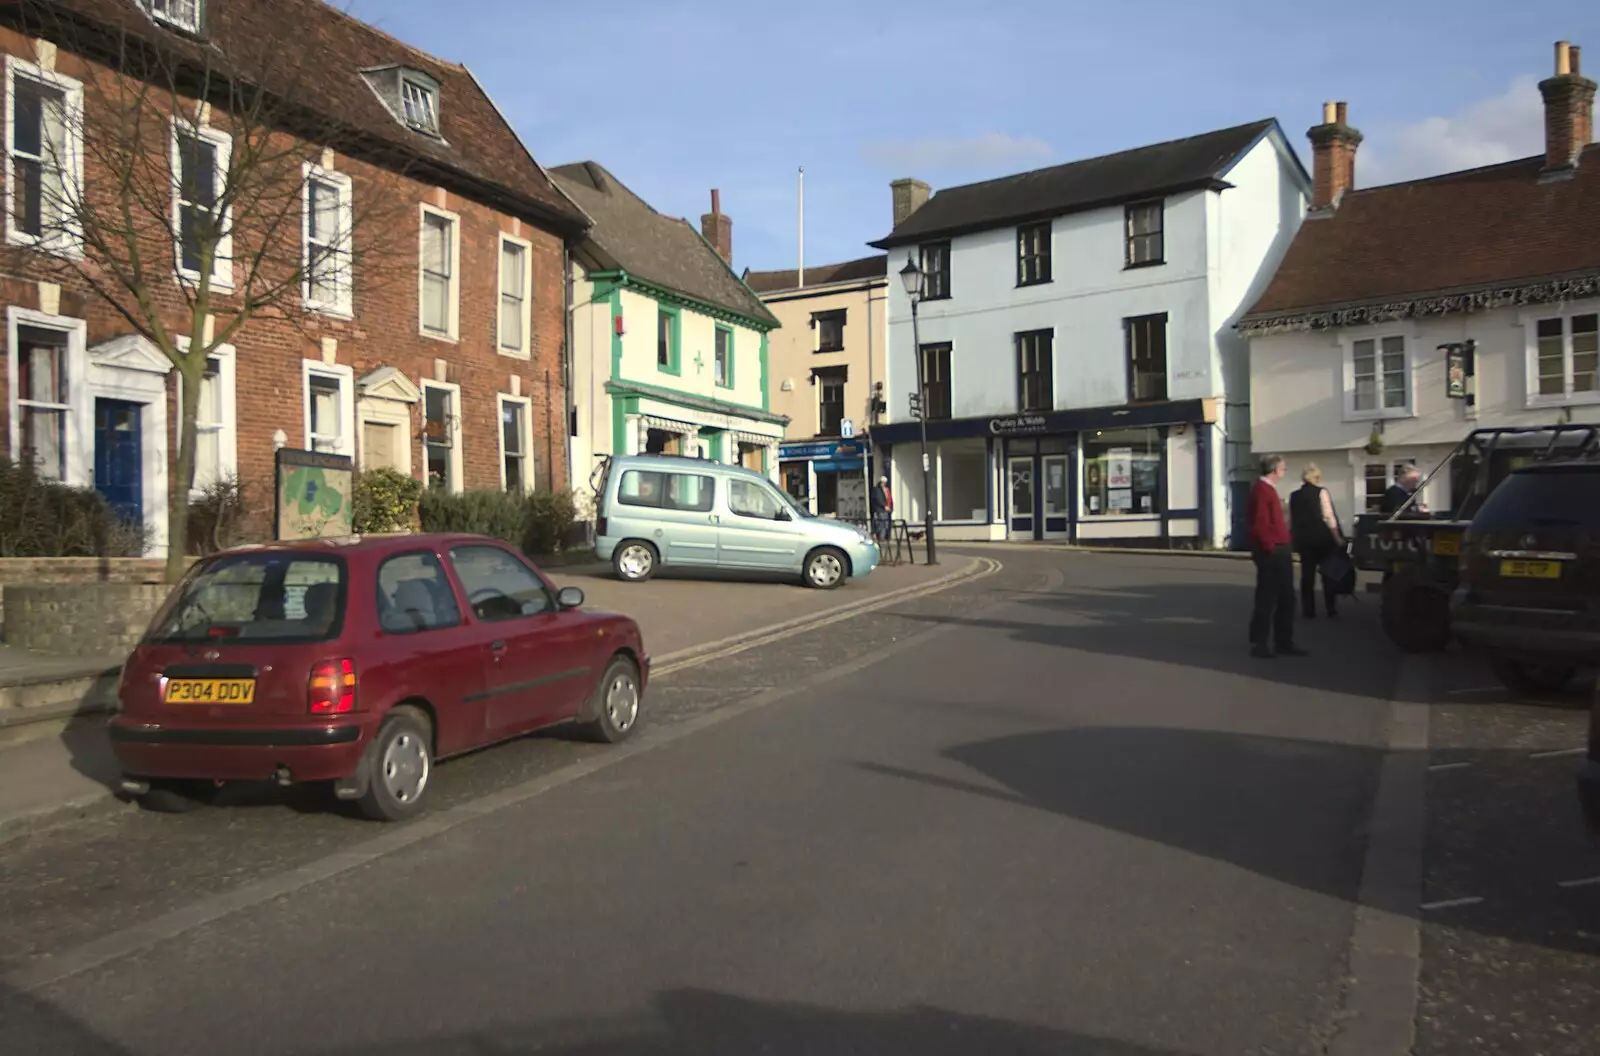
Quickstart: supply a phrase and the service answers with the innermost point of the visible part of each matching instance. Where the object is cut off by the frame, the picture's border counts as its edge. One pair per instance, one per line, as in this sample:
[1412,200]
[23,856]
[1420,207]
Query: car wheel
[826,568]
[617,703]
[177,797]
[400,764]
[635,561]
[1531,679]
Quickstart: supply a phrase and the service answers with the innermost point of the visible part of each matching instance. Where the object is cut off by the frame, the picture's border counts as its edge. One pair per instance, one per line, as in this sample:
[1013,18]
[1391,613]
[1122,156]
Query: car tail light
[600,526]
[332,690]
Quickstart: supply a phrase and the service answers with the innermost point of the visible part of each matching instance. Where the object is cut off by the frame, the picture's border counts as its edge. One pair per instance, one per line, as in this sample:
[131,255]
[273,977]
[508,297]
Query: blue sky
[677,98]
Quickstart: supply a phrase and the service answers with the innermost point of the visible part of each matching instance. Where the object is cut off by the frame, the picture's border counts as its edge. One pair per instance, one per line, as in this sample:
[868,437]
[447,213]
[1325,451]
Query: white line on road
[1449,766]
[1558,754]
[1476,689]
[1451,903]
[1585,882]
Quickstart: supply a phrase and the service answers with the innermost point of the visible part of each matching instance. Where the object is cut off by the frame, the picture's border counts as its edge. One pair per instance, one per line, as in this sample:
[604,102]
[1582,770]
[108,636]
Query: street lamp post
[911,278]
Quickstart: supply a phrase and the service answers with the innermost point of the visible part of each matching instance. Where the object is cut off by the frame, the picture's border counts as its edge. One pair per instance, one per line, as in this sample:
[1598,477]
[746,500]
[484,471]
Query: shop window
[963,481]
[1122,472]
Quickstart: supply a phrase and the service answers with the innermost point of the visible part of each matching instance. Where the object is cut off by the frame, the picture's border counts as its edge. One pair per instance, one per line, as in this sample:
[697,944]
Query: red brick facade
[383,332]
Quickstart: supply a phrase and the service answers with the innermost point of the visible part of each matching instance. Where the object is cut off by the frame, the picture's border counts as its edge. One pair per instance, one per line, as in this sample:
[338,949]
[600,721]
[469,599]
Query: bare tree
[184,186]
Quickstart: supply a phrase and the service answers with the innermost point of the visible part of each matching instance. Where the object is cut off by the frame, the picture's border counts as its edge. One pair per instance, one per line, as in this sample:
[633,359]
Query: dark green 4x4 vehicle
[1529,593]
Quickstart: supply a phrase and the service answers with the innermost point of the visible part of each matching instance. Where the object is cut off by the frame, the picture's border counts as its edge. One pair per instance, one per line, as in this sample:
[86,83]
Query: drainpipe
[566,362]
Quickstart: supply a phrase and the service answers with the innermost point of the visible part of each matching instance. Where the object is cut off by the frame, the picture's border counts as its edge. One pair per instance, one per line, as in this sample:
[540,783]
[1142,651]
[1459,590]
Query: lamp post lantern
[911,278]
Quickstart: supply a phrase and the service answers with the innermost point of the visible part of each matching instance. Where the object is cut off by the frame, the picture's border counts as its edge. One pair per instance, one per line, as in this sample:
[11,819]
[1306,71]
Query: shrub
[384,500]
[550,518]
[497,514]
[218,517]
[45,518]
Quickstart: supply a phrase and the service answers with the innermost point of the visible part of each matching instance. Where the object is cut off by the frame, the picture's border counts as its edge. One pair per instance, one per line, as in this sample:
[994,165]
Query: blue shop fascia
[829,476]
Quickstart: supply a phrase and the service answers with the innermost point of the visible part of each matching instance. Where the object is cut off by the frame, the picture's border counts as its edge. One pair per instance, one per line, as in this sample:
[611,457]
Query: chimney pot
[1333,157]
[716,202]
[1568,113]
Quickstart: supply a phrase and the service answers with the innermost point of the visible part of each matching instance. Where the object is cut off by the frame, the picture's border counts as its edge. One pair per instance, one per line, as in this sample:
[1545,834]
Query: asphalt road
[1056,810]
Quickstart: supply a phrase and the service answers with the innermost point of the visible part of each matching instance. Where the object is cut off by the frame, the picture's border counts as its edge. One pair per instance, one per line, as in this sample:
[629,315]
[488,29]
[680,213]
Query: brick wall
[383,332]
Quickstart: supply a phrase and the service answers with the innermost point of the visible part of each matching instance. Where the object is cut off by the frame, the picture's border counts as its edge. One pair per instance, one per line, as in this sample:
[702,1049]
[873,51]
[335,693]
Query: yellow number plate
[1530,569]
[211,691]
[1447,545]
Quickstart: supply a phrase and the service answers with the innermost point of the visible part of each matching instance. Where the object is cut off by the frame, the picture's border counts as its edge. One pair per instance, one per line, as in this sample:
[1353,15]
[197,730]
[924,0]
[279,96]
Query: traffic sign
[847,429]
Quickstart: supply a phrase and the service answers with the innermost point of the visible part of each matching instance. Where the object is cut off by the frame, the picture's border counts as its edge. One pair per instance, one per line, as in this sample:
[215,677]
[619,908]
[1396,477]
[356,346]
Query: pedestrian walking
[1272,618]
[1314,526]
[882,509]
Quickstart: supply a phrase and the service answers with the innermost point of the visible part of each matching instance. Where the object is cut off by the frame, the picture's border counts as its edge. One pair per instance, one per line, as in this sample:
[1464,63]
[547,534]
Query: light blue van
[673,511]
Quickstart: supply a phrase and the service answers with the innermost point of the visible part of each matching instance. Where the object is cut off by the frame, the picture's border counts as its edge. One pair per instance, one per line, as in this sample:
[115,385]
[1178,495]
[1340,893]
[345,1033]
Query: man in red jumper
[1269,546]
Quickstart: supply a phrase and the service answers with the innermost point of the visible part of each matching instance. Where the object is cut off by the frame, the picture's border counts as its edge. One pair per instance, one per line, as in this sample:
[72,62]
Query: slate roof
[1144,172]
[1476,230]
[876,267]
[324,77]
[666,251]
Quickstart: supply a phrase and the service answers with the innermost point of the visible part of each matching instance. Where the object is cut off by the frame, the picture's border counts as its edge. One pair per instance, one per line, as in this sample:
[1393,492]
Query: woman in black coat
[1315,529]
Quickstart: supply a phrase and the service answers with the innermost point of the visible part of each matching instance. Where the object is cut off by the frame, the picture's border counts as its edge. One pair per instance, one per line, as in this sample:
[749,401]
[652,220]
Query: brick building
[450,365]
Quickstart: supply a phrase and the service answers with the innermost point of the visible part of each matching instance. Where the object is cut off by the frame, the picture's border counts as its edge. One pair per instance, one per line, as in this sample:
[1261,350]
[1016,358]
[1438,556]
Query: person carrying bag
[1321,545]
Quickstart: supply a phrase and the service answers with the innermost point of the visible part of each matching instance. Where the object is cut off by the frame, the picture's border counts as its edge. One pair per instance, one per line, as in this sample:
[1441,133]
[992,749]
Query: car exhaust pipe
[283,776]
[133,786]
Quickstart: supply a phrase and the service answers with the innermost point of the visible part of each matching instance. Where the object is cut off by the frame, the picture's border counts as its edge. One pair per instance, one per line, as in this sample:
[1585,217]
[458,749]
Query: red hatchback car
[360,662]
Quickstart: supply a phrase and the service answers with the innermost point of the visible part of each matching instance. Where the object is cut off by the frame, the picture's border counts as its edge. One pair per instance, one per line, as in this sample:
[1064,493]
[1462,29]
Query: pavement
[1056,809]
[71,768]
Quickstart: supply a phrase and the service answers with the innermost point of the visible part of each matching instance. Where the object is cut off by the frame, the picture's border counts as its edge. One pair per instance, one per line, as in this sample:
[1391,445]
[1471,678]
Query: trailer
[1419,553]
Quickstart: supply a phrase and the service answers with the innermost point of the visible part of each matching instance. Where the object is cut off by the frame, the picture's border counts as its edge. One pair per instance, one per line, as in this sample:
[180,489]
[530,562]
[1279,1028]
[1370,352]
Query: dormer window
[411,95]
[180,14]
[421,106]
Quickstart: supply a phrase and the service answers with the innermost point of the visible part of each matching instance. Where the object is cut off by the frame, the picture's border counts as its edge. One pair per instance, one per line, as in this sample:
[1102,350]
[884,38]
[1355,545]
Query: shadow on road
[684,1022]
[690,1022]
[1256,802]
[1201,624]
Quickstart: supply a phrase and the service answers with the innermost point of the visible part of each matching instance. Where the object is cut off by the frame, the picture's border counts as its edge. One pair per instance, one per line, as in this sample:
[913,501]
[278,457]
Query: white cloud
[943,152]
[1507,126]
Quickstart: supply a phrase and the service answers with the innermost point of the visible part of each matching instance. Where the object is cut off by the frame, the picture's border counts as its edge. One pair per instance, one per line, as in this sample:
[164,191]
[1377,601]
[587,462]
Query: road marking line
[1378,1013]
[1451,903]
[1475,689]
[1585,882]
[119,944]
[1558,754]
[1449,766]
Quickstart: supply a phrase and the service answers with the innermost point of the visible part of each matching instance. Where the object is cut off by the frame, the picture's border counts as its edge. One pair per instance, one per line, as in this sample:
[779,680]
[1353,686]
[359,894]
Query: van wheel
[616,704]
[400,764]
[1531,679]
[826,568]
[635,561]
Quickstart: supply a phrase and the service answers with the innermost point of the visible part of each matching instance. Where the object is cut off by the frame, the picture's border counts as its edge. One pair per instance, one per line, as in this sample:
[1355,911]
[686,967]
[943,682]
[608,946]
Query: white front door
[1024,497]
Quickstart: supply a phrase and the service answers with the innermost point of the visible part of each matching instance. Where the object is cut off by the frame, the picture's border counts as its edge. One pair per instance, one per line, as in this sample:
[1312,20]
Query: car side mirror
[783,515]
[569,597]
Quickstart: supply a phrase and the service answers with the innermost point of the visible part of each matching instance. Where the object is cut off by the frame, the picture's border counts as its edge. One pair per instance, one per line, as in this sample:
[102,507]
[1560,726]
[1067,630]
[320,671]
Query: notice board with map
[313,494]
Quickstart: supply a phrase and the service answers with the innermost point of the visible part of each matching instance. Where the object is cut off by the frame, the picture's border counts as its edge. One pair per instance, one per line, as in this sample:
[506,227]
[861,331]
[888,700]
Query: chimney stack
[1333,158]
[1568,113]
[909,196]
[718,229]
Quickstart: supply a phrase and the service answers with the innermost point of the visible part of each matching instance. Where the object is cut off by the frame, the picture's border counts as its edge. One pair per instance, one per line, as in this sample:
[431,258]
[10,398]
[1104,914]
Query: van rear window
[257,598]
[1546,498]
[666,491]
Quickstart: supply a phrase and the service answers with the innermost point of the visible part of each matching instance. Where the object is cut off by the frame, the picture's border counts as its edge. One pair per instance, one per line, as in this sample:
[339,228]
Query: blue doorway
[119,457]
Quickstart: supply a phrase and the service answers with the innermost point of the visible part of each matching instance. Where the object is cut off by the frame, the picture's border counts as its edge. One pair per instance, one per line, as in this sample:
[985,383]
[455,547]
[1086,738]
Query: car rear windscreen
[257,598]
[1566,498]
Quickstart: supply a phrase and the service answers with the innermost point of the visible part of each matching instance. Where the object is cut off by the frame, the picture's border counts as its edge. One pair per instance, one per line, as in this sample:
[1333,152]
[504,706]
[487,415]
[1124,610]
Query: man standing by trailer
[1273,613]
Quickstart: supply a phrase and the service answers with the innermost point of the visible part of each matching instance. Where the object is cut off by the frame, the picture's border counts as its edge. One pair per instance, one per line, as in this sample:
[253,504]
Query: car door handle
[497,647]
